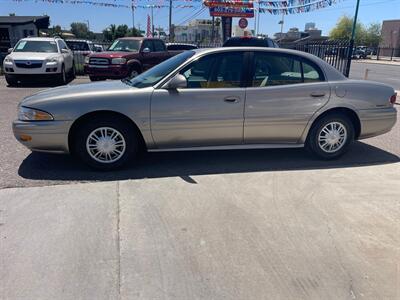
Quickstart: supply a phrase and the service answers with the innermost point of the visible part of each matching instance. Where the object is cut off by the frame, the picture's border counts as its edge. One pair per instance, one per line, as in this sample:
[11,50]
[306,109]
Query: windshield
[36,46]
[125,45]
[155,74]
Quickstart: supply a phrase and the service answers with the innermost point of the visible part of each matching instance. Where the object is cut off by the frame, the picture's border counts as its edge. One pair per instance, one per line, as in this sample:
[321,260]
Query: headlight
[118,61]
[30,114]
[8,61]
[52,61]
[87,59]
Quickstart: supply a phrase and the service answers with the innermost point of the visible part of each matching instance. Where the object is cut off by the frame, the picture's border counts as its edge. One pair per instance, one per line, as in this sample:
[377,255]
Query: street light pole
[353,35]
[133,15]
[170,21]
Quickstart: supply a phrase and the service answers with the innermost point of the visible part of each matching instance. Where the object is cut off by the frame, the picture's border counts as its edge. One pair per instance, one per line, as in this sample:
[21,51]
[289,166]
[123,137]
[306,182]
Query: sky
[101,17]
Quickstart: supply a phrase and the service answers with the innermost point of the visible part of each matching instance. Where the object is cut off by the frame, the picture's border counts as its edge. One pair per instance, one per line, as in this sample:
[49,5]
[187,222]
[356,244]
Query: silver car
[226,98]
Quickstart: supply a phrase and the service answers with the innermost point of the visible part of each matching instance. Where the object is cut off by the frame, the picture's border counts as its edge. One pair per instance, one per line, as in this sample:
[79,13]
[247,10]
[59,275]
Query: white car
[39,56]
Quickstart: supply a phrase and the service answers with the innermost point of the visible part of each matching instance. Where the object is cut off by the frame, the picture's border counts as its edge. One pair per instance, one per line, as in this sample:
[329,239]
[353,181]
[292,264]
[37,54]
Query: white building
[197,31]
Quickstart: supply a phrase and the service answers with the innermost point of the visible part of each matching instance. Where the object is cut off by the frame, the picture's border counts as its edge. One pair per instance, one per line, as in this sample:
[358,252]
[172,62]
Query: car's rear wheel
[106,144]
[330,136]
[11,80]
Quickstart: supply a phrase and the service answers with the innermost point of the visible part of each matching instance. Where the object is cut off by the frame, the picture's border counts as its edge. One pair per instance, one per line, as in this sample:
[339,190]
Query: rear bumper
[377,121]
[46,136]
[107,71]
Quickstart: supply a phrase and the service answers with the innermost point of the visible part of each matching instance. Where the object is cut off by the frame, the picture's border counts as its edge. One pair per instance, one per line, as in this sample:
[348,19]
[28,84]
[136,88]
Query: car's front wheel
[62,77]
[330,136]
[106,144]
[11,80]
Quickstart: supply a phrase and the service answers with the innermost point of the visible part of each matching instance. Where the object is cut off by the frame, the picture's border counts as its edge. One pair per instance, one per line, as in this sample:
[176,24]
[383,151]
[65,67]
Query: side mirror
[176,82]
[146,50]
[10,50]
[64,51]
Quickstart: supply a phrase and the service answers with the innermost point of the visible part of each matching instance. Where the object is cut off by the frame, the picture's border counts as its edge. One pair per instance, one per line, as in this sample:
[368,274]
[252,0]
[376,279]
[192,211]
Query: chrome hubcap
[332,137]
[105,145]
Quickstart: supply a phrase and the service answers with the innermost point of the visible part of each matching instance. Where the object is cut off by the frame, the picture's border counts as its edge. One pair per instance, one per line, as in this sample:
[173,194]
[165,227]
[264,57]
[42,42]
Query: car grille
[98,61]
[29,64]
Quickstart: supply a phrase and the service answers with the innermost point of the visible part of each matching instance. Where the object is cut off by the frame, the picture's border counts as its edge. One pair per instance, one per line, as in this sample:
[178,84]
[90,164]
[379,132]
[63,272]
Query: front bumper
[377,121]
[46,136]
[107,71]
[12,69]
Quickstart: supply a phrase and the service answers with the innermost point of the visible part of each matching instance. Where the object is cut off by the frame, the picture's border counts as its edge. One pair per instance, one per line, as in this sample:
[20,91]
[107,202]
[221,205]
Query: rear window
[181,47]
[78,46]
[246,42]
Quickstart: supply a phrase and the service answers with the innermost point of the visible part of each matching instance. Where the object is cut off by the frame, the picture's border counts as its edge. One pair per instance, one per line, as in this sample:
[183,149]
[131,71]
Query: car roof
[78,40]
[249,38]
[38,38]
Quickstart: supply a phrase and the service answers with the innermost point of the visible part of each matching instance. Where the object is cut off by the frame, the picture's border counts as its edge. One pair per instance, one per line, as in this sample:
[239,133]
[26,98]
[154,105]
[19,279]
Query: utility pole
[171,38]
[213,29]
[258,19]
[282,22]
[88,25]
[353,35]
[133,15]
[152,21]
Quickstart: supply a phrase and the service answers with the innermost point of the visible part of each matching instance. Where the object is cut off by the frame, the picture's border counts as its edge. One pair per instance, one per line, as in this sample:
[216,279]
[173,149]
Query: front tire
[62,77]
[106,144]
[331,136]
[11,80]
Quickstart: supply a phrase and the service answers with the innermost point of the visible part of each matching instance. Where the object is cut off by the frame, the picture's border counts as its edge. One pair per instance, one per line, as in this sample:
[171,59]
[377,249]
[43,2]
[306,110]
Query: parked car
[33,56]
[127,57]
[221,98]
[359,54]
[248,41]
[84,47]
[180,46]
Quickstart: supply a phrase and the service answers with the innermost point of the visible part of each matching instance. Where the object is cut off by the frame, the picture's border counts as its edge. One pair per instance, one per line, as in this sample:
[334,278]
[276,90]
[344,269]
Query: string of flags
[283,7]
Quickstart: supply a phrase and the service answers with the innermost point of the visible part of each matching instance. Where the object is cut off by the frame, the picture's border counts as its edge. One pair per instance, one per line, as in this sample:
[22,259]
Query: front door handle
[317,94]
[231,99]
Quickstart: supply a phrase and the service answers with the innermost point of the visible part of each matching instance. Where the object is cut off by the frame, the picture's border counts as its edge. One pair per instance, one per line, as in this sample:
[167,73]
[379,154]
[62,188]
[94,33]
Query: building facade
[197,31]
[390,42]
[14,28]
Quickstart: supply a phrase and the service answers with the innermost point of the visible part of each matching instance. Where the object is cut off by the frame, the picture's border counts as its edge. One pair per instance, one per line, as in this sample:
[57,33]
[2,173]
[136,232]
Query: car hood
[32,55]
[79,91]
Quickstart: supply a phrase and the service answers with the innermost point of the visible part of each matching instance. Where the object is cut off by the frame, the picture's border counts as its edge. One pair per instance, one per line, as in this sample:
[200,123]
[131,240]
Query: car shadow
[41,166]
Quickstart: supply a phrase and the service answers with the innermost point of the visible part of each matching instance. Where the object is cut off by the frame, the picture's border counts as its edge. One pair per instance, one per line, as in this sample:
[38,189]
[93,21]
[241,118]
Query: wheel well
[351,114]
[136,66]
[102,113]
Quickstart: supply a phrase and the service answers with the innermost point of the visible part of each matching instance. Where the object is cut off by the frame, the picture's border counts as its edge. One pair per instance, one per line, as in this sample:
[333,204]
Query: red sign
[243,23]
[232,12]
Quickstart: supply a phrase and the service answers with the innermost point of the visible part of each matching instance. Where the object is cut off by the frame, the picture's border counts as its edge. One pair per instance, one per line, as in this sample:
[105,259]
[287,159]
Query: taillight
[393,98]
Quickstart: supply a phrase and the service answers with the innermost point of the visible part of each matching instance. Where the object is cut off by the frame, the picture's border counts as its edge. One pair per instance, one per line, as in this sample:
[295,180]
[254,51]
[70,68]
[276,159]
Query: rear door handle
[231,99]
[317,94]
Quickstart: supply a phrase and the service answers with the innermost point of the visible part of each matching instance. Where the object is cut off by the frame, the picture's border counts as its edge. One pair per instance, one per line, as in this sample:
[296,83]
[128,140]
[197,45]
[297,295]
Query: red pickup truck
[126,57]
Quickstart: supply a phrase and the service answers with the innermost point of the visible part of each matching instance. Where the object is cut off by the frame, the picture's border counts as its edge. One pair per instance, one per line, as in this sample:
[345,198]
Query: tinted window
[274,69]
[311,73]
[36,46]
[158,46]
[148,44]
[78,46]
[181,47]
[246,42]
[215,71]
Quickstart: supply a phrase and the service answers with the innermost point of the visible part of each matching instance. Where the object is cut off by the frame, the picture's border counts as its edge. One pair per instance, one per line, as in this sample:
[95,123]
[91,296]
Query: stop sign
[243,23]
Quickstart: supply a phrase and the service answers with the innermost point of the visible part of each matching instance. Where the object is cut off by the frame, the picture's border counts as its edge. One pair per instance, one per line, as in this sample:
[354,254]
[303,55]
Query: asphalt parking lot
[20,167]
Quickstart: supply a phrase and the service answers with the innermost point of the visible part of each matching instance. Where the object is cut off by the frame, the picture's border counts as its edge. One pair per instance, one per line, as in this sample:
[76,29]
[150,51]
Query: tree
[343,30]
[55,30]
[373,35]
[113,32]
[81,30]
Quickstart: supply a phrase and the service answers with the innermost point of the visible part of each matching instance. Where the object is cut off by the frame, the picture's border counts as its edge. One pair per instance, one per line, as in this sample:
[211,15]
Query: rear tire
[331,136]
[117,143]
[94,78]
